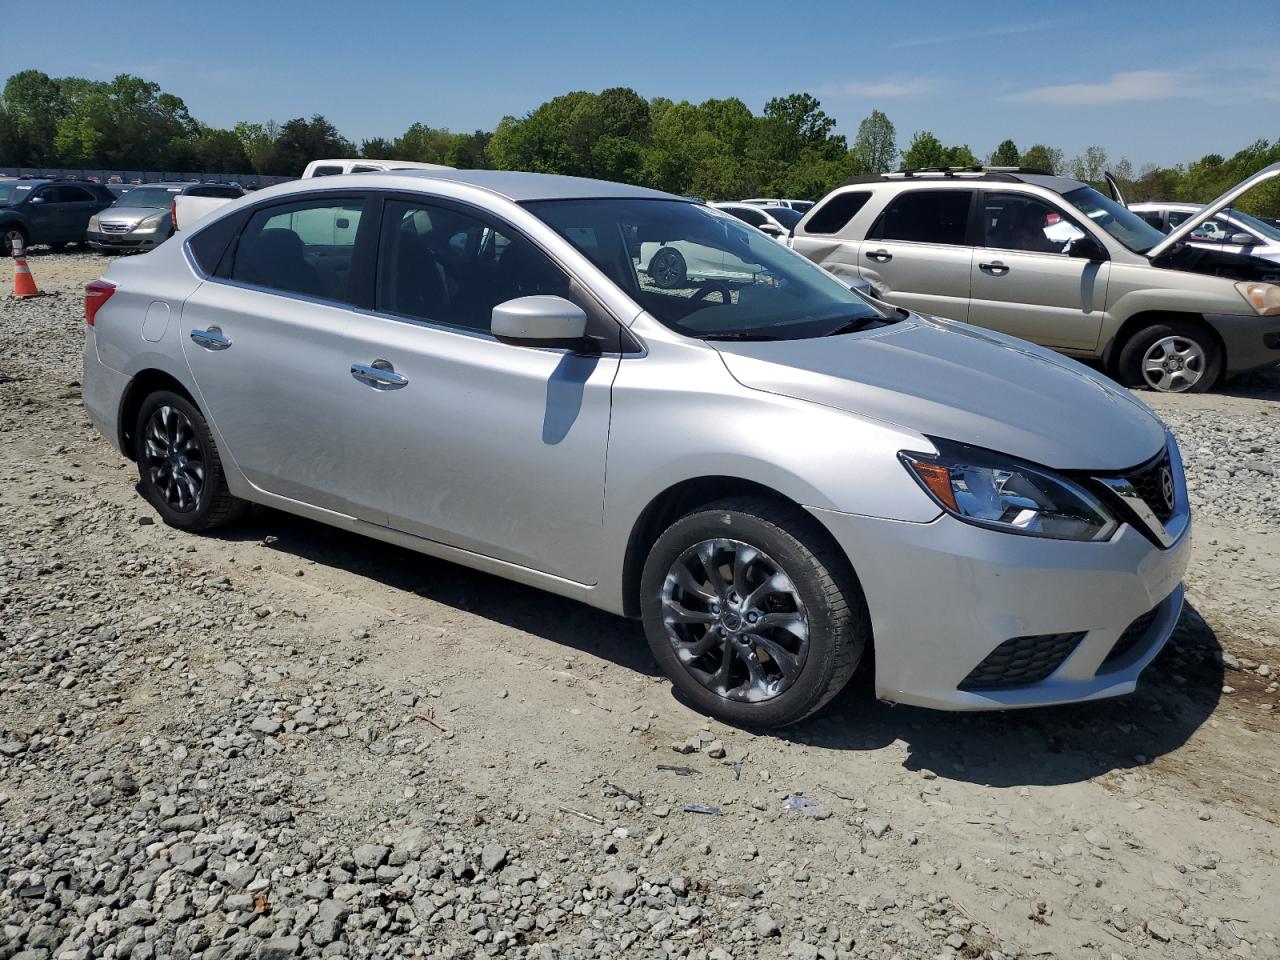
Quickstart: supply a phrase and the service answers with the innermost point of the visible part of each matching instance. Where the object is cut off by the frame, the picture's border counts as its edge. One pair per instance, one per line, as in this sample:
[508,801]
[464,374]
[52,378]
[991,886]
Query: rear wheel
[751,612]
[179,467]
[667,269]
[1173,356]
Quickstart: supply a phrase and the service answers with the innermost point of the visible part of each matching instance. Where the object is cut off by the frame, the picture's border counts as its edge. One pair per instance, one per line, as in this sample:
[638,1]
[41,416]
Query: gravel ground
[281,740]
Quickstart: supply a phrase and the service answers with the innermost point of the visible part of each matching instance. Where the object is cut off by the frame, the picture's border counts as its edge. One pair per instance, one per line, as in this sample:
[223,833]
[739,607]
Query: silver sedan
[777,474]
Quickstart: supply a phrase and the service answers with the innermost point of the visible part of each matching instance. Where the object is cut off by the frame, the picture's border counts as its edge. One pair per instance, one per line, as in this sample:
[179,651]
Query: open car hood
[1185,229]
[961,383]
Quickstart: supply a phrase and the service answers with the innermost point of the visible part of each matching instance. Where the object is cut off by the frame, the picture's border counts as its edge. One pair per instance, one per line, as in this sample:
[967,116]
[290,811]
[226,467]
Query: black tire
[1180,336]
[667,268]
[212,504]
[8,233]
[830,601]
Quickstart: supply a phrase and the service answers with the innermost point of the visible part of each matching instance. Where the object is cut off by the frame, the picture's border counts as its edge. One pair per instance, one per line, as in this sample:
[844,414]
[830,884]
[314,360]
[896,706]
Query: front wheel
[179,467]
[752,613]
[1173,356]
[11,237]
[667,269]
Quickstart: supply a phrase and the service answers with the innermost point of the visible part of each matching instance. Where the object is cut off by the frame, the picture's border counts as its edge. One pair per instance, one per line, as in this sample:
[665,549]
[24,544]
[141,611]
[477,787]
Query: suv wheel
[667,269]
[9,237]
[748,609]
[1173,356]
[179,467]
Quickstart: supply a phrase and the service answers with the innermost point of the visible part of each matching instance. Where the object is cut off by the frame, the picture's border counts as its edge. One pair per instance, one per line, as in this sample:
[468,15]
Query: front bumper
[1250,341]
[944,595]
[101,240]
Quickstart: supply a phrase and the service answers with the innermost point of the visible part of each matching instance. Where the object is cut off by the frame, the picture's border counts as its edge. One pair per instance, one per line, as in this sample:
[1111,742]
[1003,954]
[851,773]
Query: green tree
[925,150]
[1090,165]
[220,151]
[258,141]
[128,123]
[302,141]
[379,148]
[1040,157]
[875,146]
[34,105]
[1005,155]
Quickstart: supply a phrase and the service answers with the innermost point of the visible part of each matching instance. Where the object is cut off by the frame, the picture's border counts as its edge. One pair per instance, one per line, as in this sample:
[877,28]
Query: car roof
[1047,180]
[511,184]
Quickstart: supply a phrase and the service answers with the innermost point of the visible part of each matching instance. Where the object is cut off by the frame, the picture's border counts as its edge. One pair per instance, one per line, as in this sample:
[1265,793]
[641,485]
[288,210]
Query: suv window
[1153,217]
[926,216]
[747,215]
[303,247]
[834,215]
[437,264]
[326,171]
[362,168]
[1013,221]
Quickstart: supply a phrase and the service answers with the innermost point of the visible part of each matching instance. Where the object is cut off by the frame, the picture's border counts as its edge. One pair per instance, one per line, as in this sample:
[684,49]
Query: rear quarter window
[210,244]
[834,214]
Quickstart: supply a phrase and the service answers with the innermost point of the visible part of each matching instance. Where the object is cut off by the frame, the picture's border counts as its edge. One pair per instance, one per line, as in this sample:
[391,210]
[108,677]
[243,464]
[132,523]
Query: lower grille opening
[1021,661]
[1133,634]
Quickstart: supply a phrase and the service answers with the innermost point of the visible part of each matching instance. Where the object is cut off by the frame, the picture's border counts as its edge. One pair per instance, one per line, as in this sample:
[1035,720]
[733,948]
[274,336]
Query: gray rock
[764,925]
[876,826]
[620,883]
[493,857]
[279,948]
[370,855]
[266,725]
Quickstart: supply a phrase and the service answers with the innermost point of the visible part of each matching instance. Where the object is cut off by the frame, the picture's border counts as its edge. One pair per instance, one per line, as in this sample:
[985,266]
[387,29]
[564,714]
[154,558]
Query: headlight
[93,222]
[999,492]
[150,224]
[1263,297]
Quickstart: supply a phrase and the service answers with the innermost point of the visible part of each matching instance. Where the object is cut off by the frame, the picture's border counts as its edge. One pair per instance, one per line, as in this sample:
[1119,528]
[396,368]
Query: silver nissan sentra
[777,474]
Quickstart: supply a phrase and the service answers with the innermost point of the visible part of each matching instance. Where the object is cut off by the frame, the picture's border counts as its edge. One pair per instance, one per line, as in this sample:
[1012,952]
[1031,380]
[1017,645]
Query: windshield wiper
[739,335]
[853,326]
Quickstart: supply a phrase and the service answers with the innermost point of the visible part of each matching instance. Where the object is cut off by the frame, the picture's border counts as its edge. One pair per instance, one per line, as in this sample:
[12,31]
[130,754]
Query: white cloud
[1123,87]
[883,88]
[1007,30]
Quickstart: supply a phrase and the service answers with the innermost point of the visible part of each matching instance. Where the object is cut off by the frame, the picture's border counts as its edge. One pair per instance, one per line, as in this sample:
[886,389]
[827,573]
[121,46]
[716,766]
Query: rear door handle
[995,267]
[211,339]
[380,375]
[879,256]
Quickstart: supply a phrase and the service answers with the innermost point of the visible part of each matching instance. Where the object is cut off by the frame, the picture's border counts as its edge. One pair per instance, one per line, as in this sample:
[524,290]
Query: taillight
[173,213]
[96,293]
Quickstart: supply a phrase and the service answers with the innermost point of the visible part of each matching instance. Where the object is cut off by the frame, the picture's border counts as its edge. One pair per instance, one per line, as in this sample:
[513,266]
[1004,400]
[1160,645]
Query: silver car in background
[776,475]
[142,218]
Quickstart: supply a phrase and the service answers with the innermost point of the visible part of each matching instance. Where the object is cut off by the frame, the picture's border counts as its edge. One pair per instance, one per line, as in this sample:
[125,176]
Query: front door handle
[380,375]
[879,256]
[995,268]
[211,339]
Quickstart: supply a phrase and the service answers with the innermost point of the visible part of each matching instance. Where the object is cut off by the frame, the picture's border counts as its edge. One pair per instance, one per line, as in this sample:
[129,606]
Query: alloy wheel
[735,620]
[1174,364]
[667,268]
[174,459]
[12,238]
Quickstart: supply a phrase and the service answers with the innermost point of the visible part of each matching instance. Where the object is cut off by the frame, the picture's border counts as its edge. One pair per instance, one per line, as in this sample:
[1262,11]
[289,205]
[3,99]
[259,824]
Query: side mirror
[540,321]
[1087,248]
[1242,239]
[36,200]
[769,229]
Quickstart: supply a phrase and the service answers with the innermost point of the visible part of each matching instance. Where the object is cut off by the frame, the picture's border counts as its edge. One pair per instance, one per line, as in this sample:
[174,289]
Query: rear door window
[305,247]
[926,216]
[834,215]
[747,215]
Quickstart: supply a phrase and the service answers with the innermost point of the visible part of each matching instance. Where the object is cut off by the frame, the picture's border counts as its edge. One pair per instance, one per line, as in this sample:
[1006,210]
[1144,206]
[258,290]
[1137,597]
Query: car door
[459,438]
[918,253]
[1026,283]
[46,215]
[264,341]
[75,205]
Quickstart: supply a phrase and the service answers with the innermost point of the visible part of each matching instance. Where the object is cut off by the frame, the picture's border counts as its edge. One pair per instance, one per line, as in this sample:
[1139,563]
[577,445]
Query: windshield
[13,192]
[1253,223]
[784,215]
[148,197]
[705,274]
[1119,221]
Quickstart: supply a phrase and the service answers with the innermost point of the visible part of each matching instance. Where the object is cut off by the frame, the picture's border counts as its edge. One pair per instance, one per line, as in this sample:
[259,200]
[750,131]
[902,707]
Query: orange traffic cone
[24,285]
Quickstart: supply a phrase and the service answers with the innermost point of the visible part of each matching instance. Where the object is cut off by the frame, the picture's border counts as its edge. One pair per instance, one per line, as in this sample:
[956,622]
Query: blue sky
[1160,82]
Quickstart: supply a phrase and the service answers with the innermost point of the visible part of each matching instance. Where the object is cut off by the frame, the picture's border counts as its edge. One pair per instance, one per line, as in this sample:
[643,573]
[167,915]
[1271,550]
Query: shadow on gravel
[1056,745]
[1257,385]
[571,625]
[1052,745]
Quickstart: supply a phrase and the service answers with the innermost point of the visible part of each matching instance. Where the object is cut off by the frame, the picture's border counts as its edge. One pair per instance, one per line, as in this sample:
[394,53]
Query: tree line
[716,149]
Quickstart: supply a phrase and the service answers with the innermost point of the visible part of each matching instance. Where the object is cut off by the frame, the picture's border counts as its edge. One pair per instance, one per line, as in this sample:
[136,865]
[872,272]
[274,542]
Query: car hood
[1189,225]
[130,214]
[961,383]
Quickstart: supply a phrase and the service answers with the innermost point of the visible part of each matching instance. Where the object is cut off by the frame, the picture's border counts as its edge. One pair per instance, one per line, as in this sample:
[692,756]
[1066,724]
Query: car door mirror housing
[540,321]
[36,200]
[1242,239]
[1087,248]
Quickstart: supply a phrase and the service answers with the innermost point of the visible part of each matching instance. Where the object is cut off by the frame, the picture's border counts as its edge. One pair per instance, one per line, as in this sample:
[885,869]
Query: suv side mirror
[36,200]
[769,229]
[1087,248]
[1242,239]
[540,321]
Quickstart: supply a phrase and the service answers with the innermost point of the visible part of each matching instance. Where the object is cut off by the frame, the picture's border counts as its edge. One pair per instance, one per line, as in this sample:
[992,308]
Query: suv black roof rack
[975,172]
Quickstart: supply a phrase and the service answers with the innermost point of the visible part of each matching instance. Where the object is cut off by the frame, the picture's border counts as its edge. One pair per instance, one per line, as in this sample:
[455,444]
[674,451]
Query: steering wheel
[713,286]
